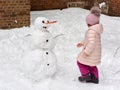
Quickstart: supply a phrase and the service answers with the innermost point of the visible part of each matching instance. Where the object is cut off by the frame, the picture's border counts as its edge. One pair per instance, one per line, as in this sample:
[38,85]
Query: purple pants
[86,70]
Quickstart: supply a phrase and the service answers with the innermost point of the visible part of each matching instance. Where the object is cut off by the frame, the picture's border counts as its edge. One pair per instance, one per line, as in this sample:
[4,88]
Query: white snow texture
[32,58]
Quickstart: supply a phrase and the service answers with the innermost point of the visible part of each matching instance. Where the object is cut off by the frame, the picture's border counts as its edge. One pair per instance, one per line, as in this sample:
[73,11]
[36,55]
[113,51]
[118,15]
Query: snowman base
[39,64]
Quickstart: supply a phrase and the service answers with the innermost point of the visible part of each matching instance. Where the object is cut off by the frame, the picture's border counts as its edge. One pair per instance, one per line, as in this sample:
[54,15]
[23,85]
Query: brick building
[14,13]
[56,4]
[114,7]
[47,4]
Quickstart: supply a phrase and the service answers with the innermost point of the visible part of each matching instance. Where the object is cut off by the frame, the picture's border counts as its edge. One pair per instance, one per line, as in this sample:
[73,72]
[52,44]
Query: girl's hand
[79,45]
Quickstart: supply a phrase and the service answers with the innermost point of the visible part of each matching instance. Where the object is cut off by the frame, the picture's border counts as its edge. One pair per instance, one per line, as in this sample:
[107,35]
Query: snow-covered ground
[71,23]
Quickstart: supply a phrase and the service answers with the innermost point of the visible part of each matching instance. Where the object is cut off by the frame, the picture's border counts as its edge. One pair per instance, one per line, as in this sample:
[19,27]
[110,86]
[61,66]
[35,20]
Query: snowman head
[42,23]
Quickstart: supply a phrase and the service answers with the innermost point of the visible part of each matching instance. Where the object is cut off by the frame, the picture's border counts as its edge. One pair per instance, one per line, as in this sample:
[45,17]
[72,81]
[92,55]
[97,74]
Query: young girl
[90,55]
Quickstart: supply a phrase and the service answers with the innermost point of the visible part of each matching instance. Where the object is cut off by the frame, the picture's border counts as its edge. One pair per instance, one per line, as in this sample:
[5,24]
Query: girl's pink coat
[91,52]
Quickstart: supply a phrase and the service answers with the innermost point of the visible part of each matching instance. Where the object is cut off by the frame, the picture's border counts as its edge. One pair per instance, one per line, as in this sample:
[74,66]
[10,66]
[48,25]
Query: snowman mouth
[44,27]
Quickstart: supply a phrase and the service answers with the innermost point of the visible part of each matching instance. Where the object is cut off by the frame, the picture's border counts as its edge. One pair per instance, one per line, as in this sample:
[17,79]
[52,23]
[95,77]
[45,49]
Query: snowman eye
[43,21]
[47,40]
[47,64]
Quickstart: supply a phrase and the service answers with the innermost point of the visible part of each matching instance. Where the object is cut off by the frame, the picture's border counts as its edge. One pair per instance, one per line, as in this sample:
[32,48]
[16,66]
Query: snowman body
[43,40]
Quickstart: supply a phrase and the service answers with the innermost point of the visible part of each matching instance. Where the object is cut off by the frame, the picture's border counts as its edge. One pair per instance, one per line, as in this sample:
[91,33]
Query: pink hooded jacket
[91,46]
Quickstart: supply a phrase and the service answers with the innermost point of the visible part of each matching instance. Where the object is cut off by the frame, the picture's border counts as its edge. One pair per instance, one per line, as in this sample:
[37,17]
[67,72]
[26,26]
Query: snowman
[42,24]
[40,62]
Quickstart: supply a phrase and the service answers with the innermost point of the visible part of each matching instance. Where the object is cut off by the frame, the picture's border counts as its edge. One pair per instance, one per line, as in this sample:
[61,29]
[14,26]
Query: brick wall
[56,4]
[114,7]
[14,13]
[48,4]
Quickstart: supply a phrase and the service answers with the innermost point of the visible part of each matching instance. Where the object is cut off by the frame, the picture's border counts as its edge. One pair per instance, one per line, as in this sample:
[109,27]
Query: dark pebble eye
[47,64]
[47,40]
[46,52]
[43,21]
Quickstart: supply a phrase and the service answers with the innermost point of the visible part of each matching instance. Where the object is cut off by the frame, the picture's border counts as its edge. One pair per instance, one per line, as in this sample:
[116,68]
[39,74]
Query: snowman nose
[51,22]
